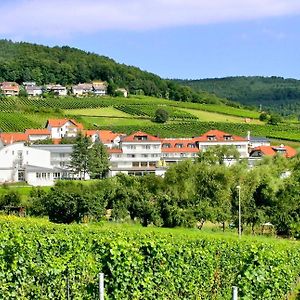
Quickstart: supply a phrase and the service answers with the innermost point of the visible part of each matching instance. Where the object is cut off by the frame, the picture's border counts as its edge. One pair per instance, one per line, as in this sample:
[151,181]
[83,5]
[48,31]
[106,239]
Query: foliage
[140,264]
[80,156]
[271,93]
[64,65]
[161,116]
[98,162]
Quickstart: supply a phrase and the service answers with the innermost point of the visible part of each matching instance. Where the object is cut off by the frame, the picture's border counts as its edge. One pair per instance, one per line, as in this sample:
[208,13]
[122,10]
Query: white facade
[65,128]
[34,91]
[139,154]
[21,163]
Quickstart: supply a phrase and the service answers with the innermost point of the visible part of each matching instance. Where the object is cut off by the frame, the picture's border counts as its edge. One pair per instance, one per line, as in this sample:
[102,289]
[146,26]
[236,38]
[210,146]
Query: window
[146,147]
[44,175]
[131,147]
[211,137]
[135,164]
[140,137]
[191,145]
[13,152]
[144,155]
[131,155]
[227,137]
[178,145]
[166,146]
[144,164]
[38,175]
[156,146]
[152,164]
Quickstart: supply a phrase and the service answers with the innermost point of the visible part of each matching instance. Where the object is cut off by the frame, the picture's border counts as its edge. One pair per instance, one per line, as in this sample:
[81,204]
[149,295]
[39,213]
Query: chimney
[248,135]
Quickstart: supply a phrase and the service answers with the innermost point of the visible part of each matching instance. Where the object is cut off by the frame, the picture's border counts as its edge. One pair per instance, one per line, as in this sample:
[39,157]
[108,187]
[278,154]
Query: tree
[218,155]
[263,117]
[98,162]
[69,202]
[80,156]
[161,116]
[274,119]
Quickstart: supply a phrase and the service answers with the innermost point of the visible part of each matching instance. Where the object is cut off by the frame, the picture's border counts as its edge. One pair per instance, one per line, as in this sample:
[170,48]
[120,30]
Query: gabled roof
[287,151]
[134,137]
[219,136]
[179,145]
[13,137]
[61,122]
[43,131]
[107,136]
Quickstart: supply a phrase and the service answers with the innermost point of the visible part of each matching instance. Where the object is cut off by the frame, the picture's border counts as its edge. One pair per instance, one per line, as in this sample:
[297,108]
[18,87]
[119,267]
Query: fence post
[101,286]
[234,293]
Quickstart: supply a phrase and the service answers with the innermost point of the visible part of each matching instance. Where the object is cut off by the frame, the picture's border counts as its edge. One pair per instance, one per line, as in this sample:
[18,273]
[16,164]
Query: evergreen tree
[80,156]
[98,161]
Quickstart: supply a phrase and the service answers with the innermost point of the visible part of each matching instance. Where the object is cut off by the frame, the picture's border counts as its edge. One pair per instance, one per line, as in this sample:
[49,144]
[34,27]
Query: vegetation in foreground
[40,258]
[190,194]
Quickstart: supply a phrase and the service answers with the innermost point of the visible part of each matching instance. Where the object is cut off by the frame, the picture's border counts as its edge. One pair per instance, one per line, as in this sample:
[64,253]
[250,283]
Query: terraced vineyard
[135,113]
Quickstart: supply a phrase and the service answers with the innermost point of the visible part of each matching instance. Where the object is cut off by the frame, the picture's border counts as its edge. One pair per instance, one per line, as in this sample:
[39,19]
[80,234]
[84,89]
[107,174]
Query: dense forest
[21,62]
[274,93]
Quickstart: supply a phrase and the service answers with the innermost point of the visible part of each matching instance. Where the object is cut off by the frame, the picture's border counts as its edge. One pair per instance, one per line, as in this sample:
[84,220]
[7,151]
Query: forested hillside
[21,62]
[275,93]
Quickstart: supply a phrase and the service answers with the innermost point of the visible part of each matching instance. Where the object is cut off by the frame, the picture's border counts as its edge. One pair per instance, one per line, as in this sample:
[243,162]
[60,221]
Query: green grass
[99,112]
[108,121]
[207,116]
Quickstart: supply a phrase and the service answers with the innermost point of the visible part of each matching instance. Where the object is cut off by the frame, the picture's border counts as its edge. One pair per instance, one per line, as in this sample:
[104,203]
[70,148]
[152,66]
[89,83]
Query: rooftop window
[140,137]
[211,137]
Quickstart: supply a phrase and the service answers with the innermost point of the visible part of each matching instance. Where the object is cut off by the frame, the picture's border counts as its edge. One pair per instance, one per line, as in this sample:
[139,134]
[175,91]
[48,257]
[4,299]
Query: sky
[187,39]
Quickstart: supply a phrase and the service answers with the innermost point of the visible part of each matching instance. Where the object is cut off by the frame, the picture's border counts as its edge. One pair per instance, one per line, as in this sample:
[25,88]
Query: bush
[161,116]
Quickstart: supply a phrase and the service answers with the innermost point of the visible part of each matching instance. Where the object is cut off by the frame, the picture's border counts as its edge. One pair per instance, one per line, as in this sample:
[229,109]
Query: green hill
[21,62]
[273,93]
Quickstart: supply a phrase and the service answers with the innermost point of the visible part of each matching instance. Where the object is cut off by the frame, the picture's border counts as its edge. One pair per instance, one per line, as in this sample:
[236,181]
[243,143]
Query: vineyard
[12,104]
[38,259]
[135,113]
[190,129]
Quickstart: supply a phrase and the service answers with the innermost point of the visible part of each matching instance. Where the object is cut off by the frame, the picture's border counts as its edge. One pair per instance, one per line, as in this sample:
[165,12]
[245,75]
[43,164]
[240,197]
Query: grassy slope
[134,113]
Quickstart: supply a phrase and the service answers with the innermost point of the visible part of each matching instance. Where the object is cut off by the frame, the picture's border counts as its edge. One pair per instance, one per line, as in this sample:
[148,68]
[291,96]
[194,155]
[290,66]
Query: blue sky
[172,38]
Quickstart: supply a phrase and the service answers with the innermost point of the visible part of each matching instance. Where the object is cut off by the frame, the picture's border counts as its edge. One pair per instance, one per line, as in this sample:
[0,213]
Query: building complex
[27,157]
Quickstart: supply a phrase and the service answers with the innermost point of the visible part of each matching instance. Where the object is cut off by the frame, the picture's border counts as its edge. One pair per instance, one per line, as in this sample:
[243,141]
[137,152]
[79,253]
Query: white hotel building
[136,154]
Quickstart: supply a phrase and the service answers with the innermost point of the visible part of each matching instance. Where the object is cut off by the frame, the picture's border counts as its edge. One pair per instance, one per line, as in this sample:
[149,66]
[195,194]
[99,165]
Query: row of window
[43,175]
[144,164]
[178,145]
[132,147]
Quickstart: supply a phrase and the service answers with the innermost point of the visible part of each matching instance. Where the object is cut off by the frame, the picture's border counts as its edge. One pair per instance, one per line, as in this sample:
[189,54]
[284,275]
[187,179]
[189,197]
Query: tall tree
[98,162]
[80,156]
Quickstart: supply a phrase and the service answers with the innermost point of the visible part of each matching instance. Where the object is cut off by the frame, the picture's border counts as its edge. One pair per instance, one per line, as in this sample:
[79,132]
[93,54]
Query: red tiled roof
[219,137]
[43,131]
[273,150]
[61,122]
[107,136]
[12,137]
[290,152]
[134,137]
[179,145]
[115,150]
[56,141]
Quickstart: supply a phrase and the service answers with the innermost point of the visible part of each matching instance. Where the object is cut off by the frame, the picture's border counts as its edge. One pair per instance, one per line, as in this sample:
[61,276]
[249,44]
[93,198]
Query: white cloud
[64,18]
